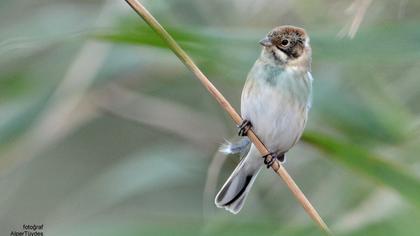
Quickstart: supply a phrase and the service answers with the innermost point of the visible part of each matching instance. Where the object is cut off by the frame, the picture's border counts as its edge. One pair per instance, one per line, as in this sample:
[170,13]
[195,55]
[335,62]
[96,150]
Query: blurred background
[104,132]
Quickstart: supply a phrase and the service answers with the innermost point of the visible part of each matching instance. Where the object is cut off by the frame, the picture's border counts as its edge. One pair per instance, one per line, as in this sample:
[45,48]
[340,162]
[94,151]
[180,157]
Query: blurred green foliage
[104,132]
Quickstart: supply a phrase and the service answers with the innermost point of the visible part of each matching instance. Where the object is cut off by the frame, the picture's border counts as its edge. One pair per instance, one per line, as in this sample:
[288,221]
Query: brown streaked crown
[289,39]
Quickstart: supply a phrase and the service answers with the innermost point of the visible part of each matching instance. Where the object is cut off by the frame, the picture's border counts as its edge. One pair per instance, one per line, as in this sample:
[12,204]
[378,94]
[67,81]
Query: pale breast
[276,101]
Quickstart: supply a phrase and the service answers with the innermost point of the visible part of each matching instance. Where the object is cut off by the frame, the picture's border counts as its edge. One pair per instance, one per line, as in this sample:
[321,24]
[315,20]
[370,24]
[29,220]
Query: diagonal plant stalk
[189,63]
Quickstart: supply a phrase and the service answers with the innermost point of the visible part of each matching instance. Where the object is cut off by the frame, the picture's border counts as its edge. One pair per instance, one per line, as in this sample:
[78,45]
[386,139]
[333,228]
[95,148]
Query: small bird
[275,102]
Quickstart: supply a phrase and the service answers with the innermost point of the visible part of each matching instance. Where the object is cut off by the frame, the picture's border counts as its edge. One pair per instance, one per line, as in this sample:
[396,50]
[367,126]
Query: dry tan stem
[359,9]
[182,55]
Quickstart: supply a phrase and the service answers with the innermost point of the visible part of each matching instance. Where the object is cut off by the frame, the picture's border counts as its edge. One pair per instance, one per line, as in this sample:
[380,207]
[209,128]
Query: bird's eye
[284,42]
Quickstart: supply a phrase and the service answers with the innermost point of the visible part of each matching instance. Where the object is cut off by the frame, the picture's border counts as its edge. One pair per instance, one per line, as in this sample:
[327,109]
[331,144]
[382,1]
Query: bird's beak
[266,42]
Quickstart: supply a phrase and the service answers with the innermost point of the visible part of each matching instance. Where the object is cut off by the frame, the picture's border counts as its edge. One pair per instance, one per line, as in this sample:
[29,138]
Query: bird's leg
[270,158]
[244,127]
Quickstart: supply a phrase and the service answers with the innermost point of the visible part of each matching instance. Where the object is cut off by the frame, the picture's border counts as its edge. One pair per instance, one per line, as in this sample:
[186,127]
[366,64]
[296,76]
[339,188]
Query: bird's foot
[244,127]
[270,158]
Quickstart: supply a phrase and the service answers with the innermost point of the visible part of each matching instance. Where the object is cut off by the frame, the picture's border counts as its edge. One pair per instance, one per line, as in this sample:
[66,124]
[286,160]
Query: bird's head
[287,45]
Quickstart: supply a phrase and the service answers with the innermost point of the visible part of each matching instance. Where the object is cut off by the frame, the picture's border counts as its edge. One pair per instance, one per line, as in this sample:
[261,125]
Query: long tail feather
[233,193]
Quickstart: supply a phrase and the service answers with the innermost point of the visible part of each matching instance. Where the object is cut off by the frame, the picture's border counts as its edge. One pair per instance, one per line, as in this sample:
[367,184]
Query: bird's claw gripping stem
[244,127]
[270,158]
